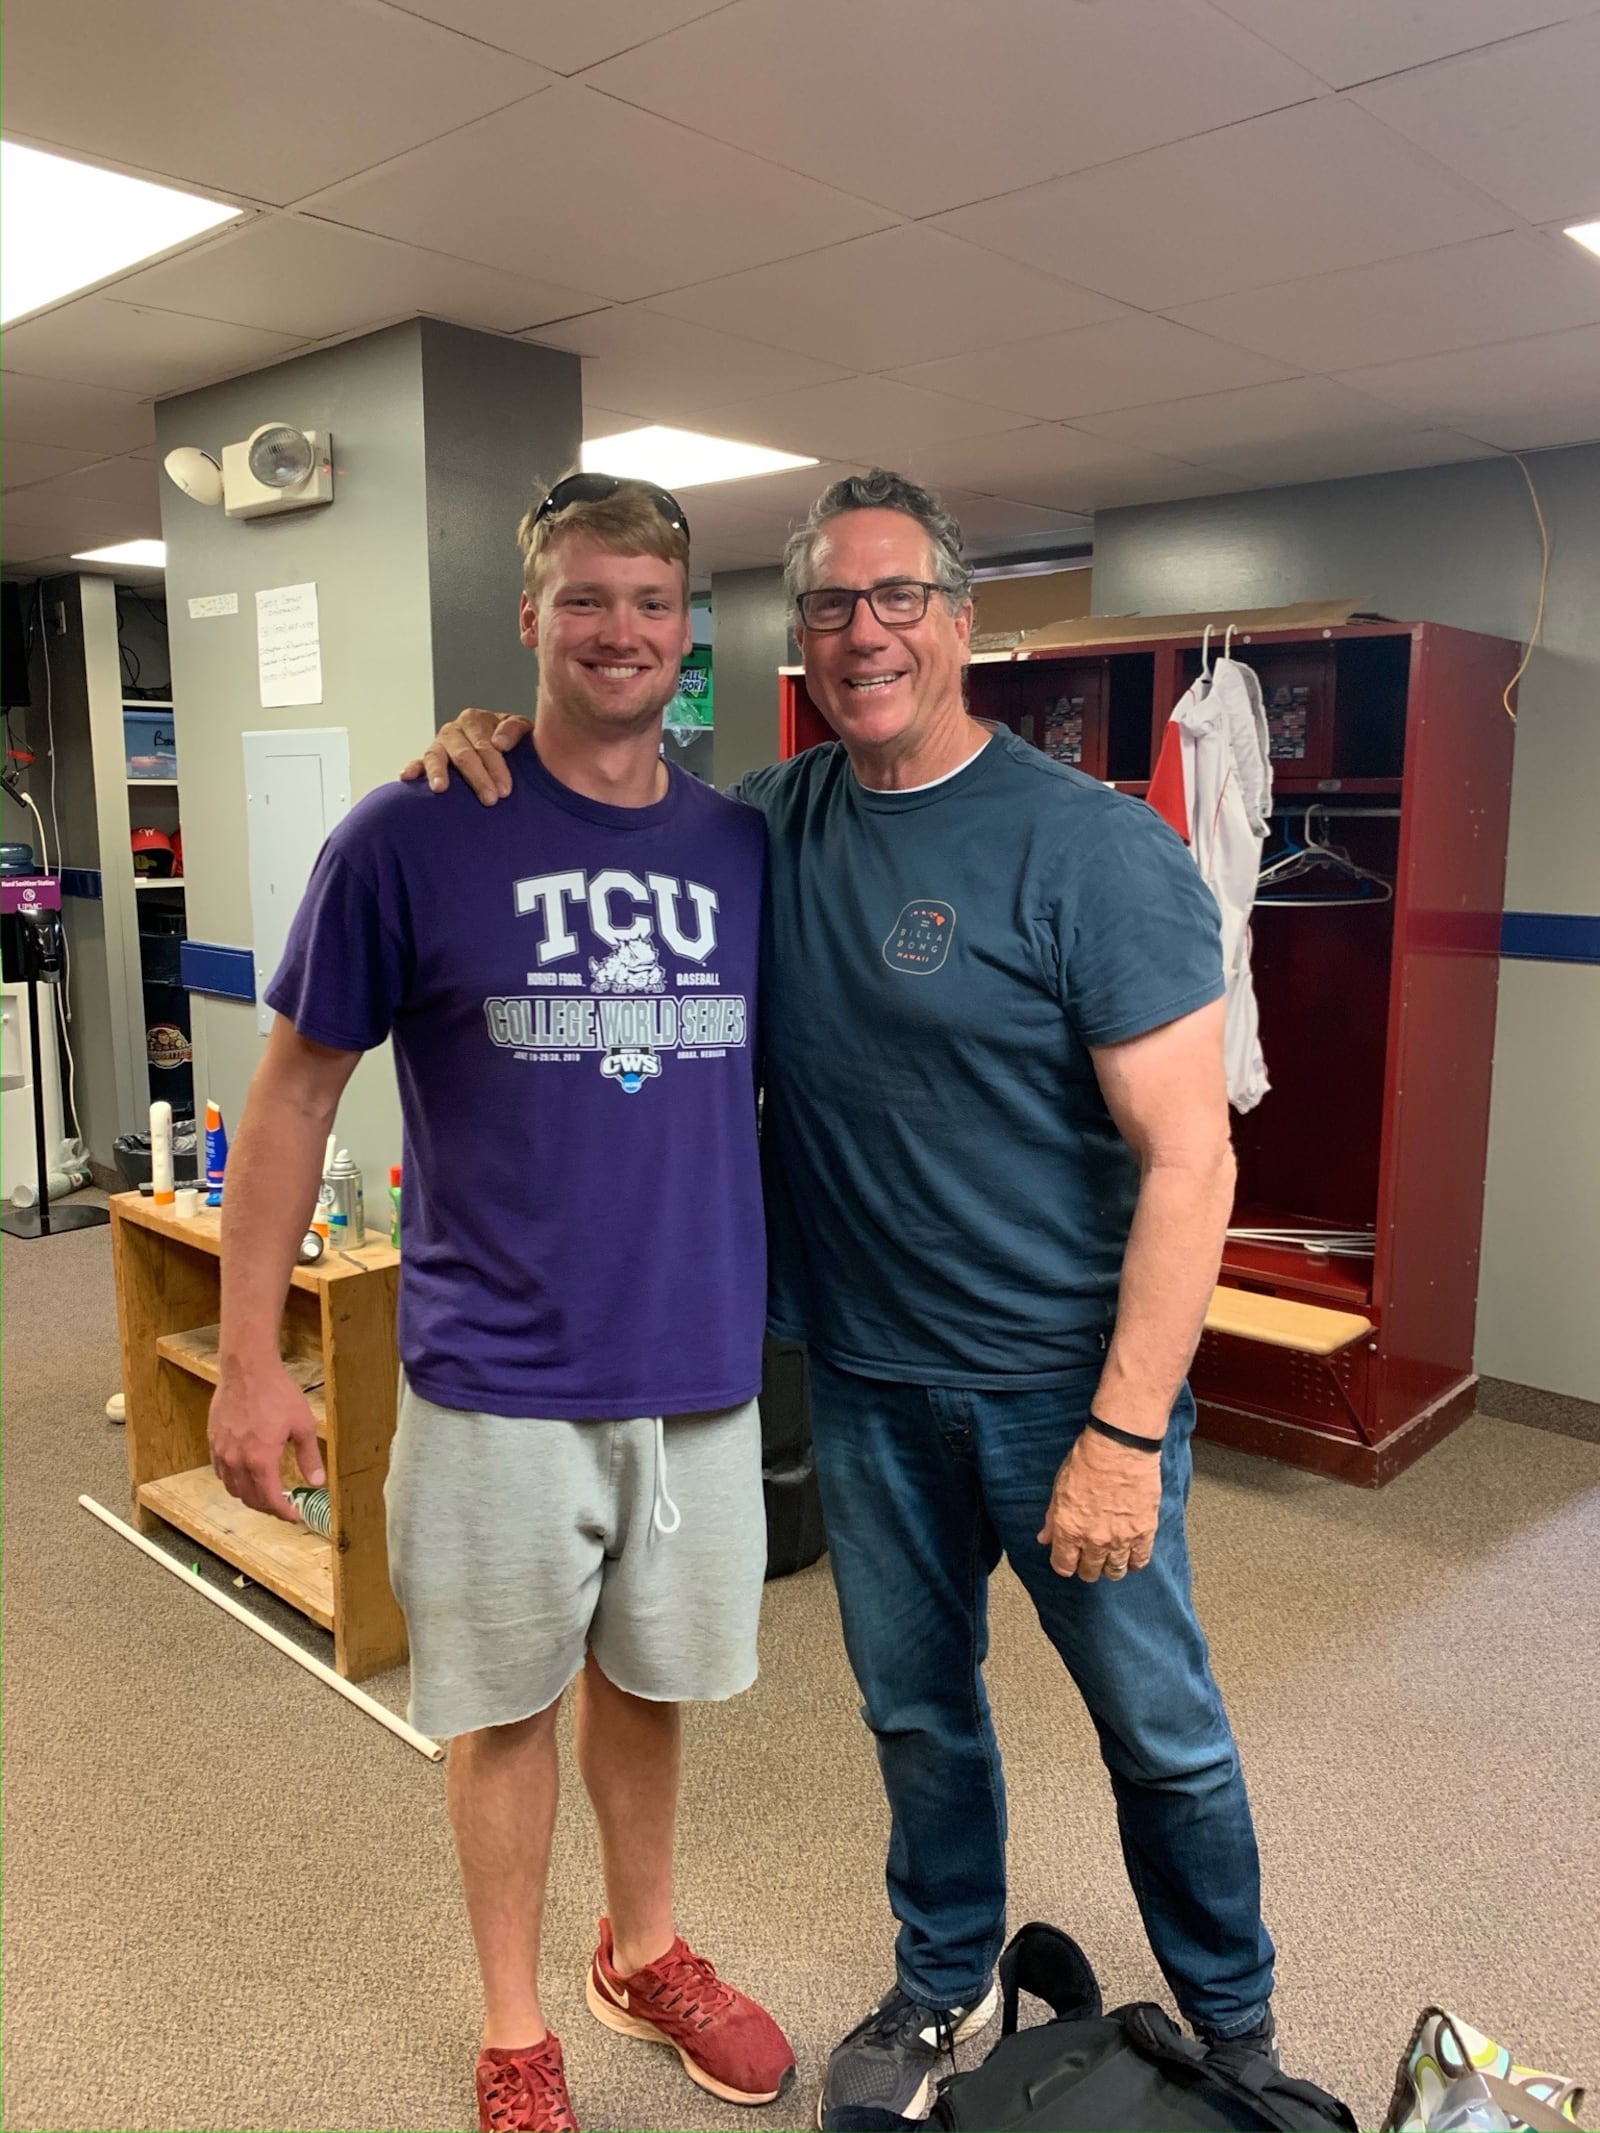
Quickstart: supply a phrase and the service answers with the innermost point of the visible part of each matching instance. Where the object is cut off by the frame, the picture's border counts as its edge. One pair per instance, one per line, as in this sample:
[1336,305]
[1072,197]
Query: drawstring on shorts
[663,1502]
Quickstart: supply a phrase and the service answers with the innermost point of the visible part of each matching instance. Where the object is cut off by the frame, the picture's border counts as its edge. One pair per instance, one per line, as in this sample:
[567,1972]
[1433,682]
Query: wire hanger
[1205,654]
[1227,642]
[1310,856]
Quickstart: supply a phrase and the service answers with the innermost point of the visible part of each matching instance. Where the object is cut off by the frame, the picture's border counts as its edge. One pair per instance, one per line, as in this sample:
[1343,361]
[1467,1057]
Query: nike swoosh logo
[617,1994]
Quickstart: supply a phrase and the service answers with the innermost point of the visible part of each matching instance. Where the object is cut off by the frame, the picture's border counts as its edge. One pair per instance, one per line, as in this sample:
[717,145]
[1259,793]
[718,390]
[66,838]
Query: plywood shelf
[289,1560]
[199,1352]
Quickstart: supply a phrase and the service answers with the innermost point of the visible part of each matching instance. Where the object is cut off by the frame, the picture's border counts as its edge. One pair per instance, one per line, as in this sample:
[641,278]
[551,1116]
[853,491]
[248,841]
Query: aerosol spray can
[342,1201]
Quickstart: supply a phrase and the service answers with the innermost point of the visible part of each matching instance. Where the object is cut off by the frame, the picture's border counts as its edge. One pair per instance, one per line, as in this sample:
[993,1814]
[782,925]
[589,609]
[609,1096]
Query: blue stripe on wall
[1550,937]
[230,973]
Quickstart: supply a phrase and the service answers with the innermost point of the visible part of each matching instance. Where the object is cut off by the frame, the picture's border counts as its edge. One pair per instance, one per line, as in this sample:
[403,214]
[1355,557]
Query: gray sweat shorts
[516,1544]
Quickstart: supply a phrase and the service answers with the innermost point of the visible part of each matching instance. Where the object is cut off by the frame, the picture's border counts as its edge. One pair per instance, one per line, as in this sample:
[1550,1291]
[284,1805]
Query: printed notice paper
[288,646]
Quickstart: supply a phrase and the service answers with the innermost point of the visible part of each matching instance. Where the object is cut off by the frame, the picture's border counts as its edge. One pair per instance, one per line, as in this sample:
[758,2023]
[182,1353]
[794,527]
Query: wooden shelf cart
[338,1338]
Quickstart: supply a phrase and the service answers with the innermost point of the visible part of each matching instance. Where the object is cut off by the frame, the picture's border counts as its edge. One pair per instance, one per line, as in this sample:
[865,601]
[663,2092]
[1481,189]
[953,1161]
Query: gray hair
[880,490]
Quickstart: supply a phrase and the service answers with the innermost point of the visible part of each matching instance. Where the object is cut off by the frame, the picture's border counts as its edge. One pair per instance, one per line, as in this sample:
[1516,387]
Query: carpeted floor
[229,1899]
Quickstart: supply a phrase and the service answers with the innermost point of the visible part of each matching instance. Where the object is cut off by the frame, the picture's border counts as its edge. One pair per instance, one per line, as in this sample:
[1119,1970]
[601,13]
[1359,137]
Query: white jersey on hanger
[1213,783]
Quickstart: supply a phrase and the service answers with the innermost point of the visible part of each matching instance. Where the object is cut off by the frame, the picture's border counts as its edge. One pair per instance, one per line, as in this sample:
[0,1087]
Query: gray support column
[750,638]
[440,435]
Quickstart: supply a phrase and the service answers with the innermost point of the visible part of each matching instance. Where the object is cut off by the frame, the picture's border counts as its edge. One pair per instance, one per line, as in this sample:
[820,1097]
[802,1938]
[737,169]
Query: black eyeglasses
[833,607]
[595,488]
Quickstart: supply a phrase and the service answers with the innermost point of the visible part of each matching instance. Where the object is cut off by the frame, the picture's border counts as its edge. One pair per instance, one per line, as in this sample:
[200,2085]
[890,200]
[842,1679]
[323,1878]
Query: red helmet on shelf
[177,851]
[152,852]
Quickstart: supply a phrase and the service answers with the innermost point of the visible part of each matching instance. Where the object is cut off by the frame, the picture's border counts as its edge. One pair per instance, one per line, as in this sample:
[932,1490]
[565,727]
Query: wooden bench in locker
[1278,1322]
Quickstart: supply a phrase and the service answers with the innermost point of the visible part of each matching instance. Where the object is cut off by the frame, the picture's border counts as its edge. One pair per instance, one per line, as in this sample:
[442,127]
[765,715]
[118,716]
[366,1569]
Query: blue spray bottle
[216,1153]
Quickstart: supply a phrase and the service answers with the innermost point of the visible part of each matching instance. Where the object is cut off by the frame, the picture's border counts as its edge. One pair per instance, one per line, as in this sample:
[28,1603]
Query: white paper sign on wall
[288,646]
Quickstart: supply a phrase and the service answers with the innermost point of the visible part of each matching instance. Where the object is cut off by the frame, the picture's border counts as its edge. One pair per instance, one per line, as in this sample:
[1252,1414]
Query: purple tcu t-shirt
[571,990]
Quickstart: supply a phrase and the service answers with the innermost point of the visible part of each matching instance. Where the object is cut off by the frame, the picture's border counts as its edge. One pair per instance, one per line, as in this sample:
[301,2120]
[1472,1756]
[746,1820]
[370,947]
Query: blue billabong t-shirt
[571,990]
[948,1198]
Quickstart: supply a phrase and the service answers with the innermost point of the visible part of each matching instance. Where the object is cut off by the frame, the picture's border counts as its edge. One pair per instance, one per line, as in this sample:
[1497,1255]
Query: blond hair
[624,523]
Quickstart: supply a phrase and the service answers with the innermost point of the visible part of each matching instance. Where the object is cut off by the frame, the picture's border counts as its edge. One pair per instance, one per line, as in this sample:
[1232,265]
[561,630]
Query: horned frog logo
[632,965]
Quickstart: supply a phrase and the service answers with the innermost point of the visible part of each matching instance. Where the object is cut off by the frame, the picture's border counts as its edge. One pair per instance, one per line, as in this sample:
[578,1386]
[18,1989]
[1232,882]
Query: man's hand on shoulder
[1104,1510]
[476,743]
[254,1414]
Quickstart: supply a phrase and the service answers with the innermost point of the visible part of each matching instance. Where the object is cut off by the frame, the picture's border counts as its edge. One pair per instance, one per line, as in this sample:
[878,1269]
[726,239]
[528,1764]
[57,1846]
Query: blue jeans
[923,1489]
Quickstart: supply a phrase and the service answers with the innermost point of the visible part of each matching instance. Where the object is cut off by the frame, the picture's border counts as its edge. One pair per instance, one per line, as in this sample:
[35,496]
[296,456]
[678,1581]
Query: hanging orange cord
[1544,579]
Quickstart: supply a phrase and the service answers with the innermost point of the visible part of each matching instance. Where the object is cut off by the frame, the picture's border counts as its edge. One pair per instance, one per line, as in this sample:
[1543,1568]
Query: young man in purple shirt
[575,1482]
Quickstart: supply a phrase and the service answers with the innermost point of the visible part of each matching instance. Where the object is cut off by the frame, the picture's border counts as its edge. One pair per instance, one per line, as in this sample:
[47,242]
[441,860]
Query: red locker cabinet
[1377,1016]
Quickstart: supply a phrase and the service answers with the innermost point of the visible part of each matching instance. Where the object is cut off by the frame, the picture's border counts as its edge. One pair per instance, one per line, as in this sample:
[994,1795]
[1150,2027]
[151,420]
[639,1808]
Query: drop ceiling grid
[1322,221]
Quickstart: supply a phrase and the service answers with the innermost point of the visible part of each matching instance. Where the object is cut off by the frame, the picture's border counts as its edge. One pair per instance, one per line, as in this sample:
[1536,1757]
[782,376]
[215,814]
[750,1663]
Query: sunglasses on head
[595,488]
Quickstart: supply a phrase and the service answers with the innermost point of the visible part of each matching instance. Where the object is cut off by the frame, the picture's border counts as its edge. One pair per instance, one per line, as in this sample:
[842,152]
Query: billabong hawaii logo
[920,939]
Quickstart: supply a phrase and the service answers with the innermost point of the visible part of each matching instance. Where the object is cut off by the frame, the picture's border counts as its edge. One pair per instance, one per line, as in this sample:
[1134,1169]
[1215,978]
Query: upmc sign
[30,892]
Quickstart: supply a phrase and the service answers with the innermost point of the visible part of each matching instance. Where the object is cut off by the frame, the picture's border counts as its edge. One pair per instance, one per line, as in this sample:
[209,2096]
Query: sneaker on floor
[887,2067]
[1249,2049]
[726,2042]
[524,2091]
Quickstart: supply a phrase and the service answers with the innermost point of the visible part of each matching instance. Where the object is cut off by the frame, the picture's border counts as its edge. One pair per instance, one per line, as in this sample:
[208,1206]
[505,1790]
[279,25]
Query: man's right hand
[477,743]
[254,1414]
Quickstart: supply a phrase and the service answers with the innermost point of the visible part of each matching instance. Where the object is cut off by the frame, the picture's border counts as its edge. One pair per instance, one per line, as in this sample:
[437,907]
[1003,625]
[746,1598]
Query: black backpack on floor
[1130,2071]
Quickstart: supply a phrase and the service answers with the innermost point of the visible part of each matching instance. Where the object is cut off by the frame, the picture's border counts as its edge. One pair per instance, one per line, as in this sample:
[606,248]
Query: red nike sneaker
[727,2043]
[524,2091]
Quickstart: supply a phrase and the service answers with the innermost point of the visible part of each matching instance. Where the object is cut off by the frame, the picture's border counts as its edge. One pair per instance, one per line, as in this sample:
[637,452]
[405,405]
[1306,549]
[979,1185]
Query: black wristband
[1126,1436]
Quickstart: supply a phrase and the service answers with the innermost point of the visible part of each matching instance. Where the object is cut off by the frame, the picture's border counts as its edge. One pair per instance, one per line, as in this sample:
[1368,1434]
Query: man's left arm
[1167,1095]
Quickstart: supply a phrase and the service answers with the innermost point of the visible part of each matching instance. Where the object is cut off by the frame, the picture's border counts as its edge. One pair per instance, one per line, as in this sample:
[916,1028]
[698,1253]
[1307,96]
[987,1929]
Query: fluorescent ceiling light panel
[66,225]
[1587,234]
[152,555]
[681,459]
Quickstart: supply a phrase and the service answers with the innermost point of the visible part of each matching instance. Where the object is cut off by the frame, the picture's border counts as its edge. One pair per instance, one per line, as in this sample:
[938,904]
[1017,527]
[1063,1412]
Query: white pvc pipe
[363,1702]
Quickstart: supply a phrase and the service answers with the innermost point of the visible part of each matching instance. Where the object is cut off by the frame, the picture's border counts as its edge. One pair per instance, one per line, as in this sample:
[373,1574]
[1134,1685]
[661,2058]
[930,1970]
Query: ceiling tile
[993,524]
[115,481]
[270,102]
[668,369]
[45,411]
[1520,395]
[66,523]
[897,297]
[643,206]
[99,341]
[1123,364]
[1061,469]
[788,494]
[866,419]
[1338,458]
[1300,192]
[554,32]
[1518,119]
[607,422]
[22,543]
[1349,41]
[21,464]
[315,280]
[923,115]
[1462,295]
[1207,428]
[722,521]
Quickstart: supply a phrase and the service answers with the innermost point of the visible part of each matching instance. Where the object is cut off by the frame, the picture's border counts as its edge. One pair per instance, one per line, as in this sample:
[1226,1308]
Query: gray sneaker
[887,2068]
[1240,2054]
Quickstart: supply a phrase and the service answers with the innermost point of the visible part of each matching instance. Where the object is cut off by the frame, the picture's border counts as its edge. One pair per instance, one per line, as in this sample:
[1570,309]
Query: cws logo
[618,1004]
